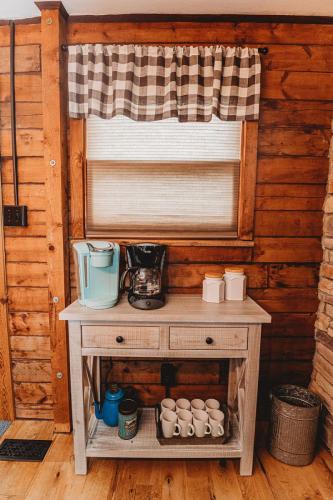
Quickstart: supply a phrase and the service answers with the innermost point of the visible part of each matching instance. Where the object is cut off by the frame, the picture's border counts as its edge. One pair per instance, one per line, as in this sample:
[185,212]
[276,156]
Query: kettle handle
[123,279]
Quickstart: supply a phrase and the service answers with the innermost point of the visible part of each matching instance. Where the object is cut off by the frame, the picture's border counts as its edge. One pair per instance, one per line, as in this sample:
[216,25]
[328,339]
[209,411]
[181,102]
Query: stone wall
[322,376]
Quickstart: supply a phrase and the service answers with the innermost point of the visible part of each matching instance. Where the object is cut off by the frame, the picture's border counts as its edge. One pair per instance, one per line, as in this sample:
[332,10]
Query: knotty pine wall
[28,301]
[282,267]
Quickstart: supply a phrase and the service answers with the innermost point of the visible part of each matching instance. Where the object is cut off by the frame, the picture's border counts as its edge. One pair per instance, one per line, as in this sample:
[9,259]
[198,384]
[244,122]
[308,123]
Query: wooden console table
[187,328]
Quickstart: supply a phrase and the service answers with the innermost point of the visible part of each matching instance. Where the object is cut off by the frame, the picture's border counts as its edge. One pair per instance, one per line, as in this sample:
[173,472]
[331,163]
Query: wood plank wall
[26,252]
[296,111]
[282,267]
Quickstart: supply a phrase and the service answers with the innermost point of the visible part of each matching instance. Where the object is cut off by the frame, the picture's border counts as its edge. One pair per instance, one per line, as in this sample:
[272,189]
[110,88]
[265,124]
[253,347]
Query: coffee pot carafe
[144,272]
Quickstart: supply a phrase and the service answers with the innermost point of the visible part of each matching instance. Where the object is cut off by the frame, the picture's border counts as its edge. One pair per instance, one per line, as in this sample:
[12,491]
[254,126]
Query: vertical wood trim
[7,411]
[250,401]
[77,157]
[77,385]
[53,34]
[247,181]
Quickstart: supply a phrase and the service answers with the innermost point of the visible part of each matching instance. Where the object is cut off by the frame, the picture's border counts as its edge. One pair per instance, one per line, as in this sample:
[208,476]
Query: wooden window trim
[247,186]
[247,180]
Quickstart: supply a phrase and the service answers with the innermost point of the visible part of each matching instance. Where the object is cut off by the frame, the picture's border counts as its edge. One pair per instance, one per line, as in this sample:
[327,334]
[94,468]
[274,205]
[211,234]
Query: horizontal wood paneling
[291,170]
[24,34]
[28,115]
[293,275]
[294,223]
[27,59]
[29,323]
[149,372]
[35,412]
[290,325]
[282,113]
[283,191]
[182,32]
[302,85]
[27,274]
[288,203]
[28,88]
[287,250]
[25,249]
[179,254]
[33,393]
[294,141]
[30,170]
[191,275]
[299,58]
[32,195]
[30,347]
[30,142]
[286,299]
[31,371]
[28,299]
[283,349]
[36,225]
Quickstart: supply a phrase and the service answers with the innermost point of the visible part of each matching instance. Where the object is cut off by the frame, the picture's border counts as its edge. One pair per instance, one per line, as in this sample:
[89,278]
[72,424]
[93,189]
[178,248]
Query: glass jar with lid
[235,283]
[213,288]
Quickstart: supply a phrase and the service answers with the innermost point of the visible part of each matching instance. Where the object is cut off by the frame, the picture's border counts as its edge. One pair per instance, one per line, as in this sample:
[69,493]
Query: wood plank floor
[155,480]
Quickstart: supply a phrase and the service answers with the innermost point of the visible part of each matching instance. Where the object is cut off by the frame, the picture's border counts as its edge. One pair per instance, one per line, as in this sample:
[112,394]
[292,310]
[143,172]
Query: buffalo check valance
[147,83]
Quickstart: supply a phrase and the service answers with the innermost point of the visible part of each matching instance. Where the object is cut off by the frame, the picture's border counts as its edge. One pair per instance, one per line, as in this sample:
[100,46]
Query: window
[163,178]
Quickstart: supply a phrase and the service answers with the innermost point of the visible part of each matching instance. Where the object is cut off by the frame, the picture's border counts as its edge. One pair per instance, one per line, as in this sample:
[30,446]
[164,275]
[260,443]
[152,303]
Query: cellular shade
[178,178]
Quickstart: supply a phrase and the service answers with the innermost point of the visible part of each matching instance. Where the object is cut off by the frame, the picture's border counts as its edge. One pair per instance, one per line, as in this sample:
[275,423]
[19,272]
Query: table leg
[77,390]
[250,400]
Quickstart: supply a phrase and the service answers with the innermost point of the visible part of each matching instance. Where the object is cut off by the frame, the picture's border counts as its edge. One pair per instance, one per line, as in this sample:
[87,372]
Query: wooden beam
[198,18]
[7,411]
[77,175]
[53,32]
[247,181]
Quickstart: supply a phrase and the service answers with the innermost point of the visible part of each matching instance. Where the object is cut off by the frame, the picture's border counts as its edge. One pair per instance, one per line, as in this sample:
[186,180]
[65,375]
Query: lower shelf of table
[104,442]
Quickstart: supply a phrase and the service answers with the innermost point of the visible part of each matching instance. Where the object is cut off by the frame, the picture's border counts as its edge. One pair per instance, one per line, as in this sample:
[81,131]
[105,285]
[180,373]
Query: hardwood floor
[156,479]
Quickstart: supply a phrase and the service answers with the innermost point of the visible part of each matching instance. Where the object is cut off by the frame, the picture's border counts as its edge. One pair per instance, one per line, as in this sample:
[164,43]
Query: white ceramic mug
[185,423]
[216,420]
[212,404]
[197,404]
[168,404]
[170,427]
[200,423]
[182,404]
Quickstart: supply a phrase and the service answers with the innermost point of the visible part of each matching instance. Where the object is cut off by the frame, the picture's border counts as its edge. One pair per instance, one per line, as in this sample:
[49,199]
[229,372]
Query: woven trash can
[293,424]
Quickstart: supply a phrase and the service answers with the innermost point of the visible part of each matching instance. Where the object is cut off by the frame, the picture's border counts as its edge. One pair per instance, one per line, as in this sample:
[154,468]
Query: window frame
[246,199]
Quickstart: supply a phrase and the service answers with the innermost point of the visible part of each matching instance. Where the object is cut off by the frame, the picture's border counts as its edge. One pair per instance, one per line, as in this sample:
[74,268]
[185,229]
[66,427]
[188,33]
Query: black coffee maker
[144,269]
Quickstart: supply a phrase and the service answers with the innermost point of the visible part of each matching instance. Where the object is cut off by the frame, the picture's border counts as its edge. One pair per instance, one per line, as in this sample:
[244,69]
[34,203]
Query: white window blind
[147,177]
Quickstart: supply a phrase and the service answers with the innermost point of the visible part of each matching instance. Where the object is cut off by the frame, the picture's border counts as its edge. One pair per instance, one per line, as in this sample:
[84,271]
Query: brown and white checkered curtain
[149,83]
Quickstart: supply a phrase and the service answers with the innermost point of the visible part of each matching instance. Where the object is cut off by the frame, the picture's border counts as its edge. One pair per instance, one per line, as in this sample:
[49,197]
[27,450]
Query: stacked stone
[322,375]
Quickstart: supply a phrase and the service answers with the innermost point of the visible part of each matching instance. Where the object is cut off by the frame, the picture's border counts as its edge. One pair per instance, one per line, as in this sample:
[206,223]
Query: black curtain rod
[261,50]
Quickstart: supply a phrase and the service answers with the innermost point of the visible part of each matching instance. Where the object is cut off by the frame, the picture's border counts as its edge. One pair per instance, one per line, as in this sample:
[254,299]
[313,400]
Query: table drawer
[121,337]
[208,338]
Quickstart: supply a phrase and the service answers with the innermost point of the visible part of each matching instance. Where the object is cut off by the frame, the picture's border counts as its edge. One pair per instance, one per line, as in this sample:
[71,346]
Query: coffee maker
[144,268]
[97,273]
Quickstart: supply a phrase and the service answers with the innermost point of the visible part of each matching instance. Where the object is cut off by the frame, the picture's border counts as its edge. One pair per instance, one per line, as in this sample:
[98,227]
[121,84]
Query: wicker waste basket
[293,424]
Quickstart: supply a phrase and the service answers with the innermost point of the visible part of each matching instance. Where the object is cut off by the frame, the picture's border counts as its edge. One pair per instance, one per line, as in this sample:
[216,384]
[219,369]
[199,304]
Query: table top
[179,308]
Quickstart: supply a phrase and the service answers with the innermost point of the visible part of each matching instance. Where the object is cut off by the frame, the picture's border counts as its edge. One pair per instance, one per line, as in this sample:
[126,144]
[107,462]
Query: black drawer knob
[209,340]
[119,339]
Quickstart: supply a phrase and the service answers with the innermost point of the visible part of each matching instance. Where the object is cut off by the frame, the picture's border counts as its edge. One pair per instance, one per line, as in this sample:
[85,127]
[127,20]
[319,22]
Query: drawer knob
[119,339]
[209,340]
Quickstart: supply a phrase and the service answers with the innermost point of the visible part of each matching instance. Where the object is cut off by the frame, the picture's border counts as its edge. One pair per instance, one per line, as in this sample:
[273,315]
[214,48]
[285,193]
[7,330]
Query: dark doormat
[24,450]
